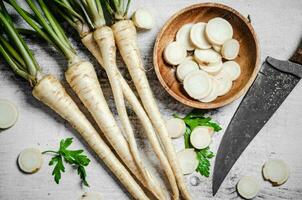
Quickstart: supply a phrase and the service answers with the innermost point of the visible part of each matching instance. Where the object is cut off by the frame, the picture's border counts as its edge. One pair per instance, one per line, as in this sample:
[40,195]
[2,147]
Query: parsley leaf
[203,156]
[72,157]
[192,120]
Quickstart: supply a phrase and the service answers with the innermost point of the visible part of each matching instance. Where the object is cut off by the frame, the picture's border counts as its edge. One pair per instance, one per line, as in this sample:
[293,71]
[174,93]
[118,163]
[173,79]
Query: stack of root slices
[210,72]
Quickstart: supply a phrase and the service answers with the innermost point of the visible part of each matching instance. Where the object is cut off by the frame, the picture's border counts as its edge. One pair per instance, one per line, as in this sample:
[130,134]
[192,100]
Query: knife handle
[297,57]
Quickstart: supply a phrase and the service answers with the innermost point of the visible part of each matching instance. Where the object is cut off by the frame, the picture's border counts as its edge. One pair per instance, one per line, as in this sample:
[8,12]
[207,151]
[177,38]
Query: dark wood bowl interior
[248,57]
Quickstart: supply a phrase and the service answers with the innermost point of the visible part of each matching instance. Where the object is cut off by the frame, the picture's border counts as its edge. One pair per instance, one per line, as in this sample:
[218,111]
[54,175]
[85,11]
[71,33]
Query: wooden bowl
[248,57]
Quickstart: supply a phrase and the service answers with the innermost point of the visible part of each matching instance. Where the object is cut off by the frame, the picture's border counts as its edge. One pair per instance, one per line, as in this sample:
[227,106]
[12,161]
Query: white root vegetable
[8,114]
[200,138]
[105,40]
[232,68]
[276,171]
[205,57]
[176,127]
[230,49]
[187,160]
[213,94]
[126,39]
[143,19]
[218,30]
[217,47]
[213,68]
[92,46]
[183,37]
[198,84]
[207,129]
[248,187]
[224,83]
[30,160]
[198,37]
[175,53]
[91,196]
[50,91]
[185,68]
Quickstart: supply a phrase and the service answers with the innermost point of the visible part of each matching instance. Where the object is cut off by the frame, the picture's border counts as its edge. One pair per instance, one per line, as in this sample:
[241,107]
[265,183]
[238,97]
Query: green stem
[69,53]
[50,151]
[15,66]
[55,25]
[96,13]
[20,45]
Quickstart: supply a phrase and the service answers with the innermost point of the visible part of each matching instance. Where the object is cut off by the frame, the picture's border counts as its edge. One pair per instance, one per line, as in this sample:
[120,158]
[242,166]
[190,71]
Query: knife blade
[269,90]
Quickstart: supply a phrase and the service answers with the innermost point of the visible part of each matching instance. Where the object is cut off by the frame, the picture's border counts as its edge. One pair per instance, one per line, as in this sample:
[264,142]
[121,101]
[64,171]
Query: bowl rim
[197,104]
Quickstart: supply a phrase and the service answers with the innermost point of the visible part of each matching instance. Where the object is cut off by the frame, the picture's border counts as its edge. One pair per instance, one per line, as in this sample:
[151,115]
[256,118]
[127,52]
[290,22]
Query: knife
[275,80]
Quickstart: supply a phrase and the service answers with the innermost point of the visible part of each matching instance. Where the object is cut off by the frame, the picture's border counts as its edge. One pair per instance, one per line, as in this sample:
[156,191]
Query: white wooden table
[279,27]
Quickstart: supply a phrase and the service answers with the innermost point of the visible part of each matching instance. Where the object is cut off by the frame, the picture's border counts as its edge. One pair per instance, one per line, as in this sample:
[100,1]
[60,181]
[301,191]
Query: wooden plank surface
[278,24]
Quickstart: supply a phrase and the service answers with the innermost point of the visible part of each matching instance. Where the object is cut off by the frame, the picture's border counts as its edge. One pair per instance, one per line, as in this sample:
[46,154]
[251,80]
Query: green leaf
[59,167]
[203,156]
[192,120]
[65,143]
[72,157]
[195,113]
[82,174]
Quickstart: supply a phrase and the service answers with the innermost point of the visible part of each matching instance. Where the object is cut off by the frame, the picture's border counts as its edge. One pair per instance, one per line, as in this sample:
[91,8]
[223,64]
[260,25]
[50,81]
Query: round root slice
[200,138]
[232,68]
[8,114]
[30,160]
[217,48]
[224,83]
[185,68]
[205,57]
[198,84]
[176,127]
[213,94]
[183,37]
[207,129]
[218,30]
[143,19]
[248,187]
[198,36]
[91,196]
[175,53]
[276,171]
[230,49]
[187,159]
[213,68]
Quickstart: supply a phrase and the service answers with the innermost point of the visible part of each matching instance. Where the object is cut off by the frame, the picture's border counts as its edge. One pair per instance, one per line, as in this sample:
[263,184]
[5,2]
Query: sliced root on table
[218,30]
[233,69]
[143,19]
[175,53]
[176,127]
[198,37]
[8,114]
[276,171]
[213,94]
[205,57]
[183,37]
[213,68]
[230,49]
[186,67]
[200,138]
[248,187]
[198,84]
[187,159]
[91,196]
[30,160]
